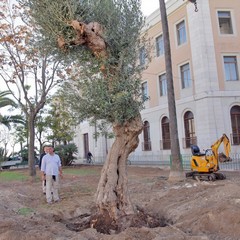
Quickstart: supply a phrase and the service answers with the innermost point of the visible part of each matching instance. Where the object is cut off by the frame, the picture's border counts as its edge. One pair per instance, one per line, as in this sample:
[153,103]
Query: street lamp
[195,4]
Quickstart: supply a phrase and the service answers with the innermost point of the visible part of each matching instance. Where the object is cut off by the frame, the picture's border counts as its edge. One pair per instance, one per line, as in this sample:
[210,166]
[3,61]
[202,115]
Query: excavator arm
[226,143]
[227,146]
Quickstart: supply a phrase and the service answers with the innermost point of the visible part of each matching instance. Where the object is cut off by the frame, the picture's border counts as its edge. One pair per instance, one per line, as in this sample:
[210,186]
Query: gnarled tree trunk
[112,197]
[112,194]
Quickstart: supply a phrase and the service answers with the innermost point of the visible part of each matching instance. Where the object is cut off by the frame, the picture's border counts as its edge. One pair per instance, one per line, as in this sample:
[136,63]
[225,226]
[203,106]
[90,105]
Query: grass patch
[81,172]
[25,211]
[12,176]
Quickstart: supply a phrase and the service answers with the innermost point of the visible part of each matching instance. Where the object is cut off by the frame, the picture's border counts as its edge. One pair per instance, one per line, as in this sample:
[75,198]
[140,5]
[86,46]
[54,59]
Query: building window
[185,76]
[144,91]
[235,121]
[146,137]
[231,69]
[163,84]
[189,126]
[181,33]
[225,22]
[166,140]
[159,46]
[142,56]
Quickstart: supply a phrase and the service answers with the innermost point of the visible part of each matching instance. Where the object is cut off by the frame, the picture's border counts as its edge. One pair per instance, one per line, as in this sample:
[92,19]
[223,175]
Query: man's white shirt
[50,164]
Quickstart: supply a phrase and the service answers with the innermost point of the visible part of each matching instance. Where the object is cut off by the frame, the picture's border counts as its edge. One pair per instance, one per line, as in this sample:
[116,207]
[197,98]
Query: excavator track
[206,176]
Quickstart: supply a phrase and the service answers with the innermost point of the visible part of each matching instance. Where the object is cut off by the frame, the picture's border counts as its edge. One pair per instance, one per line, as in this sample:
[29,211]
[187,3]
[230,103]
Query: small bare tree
[27,68]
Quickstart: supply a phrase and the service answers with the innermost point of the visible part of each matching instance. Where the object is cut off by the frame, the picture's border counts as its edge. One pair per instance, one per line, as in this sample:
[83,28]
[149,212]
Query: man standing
[51,167]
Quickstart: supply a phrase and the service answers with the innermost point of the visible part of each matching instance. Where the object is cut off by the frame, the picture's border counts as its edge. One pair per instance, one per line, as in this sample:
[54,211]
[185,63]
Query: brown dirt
[190,209]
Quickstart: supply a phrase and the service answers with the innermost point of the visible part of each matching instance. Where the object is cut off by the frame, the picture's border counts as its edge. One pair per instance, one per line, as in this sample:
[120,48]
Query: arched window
[189,126]
[146,137]
[166,141]
[235,121]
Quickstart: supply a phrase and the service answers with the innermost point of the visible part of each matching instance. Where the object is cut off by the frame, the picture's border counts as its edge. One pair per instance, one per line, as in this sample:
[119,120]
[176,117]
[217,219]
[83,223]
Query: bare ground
[190,209]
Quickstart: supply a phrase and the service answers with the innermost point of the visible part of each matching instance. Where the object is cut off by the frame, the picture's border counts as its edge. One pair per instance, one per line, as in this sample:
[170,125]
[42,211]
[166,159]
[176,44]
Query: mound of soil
[165,211]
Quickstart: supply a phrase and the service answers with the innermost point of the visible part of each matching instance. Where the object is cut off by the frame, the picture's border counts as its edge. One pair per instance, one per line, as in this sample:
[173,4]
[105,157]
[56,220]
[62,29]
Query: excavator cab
[196,151]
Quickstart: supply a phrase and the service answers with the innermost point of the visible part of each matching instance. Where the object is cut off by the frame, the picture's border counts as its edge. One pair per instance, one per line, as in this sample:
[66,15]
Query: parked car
[12,161]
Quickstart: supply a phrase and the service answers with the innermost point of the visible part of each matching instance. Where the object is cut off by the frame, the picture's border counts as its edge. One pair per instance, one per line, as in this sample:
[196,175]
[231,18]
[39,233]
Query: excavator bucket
[223,158]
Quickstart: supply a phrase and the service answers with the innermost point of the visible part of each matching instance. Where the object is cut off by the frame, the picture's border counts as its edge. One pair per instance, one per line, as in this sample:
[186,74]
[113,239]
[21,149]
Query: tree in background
[104,129]
[7,120]
[3,154]
[5,101]
[4,140]
[59,121]
[20,135]
[100,41]
[27,68]
[67,153]
[42,129]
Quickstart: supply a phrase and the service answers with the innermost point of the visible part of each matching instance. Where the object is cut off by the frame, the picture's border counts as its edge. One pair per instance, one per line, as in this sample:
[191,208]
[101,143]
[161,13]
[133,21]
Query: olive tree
[100,40]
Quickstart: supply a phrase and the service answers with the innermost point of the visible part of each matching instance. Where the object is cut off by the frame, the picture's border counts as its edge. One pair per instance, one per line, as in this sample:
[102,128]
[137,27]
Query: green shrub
[24,154]
[66,153]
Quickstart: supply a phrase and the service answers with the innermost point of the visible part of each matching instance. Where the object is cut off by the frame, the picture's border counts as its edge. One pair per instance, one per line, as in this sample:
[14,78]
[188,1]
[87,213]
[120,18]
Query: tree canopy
[105,82]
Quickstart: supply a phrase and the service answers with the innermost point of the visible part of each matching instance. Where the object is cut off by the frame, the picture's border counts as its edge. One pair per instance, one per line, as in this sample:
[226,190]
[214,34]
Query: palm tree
[5,101]
[8,119]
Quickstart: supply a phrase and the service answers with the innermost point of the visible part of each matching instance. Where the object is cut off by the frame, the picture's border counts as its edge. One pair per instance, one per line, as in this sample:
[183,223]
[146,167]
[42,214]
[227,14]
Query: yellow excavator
[205,166]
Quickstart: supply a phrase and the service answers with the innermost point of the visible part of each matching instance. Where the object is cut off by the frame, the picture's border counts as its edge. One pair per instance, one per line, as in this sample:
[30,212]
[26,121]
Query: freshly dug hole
[103,223]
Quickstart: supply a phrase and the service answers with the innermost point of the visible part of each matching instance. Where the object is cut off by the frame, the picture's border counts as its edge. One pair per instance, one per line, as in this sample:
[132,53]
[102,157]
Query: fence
[165,161]
[234,165]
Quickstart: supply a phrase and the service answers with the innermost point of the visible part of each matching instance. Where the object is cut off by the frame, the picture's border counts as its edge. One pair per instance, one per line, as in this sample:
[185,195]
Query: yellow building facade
[205,52]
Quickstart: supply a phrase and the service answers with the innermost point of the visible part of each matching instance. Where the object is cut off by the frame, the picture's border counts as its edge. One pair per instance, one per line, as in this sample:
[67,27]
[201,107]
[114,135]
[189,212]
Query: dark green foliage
[114,95]
[66,153]
[7,120]
[24,154]
[102,128]
[2,154]
[4,102]
[59,121]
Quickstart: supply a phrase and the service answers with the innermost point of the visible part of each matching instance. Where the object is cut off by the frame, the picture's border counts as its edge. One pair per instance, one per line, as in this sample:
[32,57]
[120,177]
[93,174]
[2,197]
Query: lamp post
[195,4]
[176,170]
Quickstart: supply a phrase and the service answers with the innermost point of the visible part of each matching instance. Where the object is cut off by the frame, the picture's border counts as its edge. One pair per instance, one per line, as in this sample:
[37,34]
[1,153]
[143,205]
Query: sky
[149,6]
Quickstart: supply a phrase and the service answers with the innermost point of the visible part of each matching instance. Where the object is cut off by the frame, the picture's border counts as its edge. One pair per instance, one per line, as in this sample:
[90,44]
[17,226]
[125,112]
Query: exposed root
[105,224]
